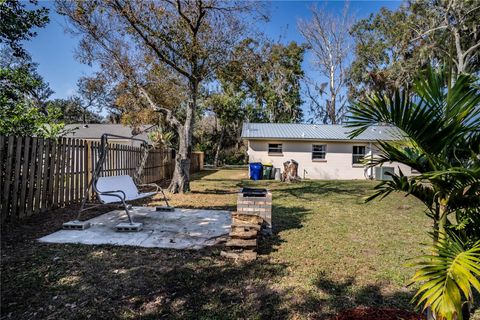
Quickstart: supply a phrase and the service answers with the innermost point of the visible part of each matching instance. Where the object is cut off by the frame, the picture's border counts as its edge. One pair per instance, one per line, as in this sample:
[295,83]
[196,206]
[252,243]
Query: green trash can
[267,171]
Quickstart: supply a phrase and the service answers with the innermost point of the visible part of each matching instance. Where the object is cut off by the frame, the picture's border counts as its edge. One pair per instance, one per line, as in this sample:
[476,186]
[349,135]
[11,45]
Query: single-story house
[94,131]
[322,151]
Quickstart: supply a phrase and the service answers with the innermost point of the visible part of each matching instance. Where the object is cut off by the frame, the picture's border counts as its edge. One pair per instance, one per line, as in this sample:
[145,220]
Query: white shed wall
[337,165]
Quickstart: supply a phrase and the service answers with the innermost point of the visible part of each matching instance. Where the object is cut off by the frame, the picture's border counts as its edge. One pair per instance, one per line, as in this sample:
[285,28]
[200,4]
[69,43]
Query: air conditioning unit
[381,173]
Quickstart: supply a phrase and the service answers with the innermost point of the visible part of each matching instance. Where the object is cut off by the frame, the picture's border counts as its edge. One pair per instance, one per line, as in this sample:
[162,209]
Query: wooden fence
[38,174]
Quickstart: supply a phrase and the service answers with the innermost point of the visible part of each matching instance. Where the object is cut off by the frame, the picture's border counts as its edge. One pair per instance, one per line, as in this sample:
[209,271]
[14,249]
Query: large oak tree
[187,39]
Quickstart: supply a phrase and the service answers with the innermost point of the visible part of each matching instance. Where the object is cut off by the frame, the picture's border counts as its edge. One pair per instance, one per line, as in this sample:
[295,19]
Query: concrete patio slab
[180,229]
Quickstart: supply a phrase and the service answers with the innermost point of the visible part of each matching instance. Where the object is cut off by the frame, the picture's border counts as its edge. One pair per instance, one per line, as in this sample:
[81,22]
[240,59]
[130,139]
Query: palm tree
[440,126]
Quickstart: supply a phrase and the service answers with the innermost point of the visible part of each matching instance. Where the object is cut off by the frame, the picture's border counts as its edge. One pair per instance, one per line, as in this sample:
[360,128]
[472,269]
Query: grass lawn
[329,252]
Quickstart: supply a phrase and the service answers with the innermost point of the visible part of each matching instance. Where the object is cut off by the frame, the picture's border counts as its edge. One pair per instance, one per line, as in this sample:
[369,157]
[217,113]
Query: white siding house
[322,151]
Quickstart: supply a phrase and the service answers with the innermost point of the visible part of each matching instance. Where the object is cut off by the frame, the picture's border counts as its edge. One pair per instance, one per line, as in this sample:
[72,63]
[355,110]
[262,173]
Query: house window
[358,154]
[275,148]
[319,151]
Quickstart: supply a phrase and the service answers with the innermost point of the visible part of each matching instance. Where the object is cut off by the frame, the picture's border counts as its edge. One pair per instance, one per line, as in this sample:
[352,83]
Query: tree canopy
[17,24]
[185,41]
[23,92]
[269,74]
[392,45]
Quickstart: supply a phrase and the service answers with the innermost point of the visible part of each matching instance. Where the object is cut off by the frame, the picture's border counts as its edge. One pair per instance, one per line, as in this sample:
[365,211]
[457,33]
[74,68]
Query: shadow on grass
[209,207]
[105,282]
[214,191]
[42,281]
[202,174]
[339,295]
[283,218]
[319,188]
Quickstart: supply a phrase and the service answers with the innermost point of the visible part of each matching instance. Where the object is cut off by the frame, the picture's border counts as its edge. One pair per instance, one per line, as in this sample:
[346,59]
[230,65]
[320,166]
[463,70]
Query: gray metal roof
[95,130]
[299,131]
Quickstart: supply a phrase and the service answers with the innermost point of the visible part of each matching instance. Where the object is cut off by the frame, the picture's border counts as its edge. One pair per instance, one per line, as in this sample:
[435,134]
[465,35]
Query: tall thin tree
[328,38]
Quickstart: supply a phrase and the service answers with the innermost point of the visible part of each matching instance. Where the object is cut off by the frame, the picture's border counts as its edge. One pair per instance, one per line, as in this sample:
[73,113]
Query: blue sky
[53,49]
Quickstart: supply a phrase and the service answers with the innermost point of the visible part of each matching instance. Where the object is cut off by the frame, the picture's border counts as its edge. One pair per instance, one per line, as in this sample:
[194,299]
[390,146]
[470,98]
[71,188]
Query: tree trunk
[290,171]
[442,218]
[333,97]
[181,175]
[219,147]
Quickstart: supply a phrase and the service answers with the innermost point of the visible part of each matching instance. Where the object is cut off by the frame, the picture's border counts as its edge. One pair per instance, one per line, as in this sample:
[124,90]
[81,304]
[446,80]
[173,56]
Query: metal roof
[95,130]
[328,132]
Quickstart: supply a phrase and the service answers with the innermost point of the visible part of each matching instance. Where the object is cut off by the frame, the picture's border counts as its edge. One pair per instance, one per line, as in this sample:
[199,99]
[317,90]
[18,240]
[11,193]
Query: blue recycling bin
[256,171]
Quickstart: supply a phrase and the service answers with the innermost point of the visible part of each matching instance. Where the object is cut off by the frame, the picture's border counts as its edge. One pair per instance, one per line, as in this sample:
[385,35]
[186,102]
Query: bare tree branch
[329,39]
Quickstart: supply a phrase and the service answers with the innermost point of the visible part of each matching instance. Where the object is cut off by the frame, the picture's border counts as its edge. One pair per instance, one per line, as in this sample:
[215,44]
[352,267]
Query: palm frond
[461,184]
[402,183]
[434,119]
[447,277]
[411,156]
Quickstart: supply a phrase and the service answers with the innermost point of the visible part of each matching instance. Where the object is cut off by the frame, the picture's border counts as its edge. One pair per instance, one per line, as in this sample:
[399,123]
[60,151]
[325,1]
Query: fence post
[88,165]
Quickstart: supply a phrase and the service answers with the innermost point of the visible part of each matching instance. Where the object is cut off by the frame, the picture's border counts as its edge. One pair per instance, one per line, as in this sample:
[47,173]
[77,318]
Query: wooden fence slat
[68,168]
[39,175]
[24,170]
[62,169]
[129,161]
[122,159]
[81,170]
[80,174]
[87,165]
[16,179]
[94,164]
[91,160]
[55,164]
[111,156]
[8,177]
[65,193]
[119,159]
[44,187]
[115,160]
[50,196]
[2,170]
[57,173]
[54,194]
[127,156]
[31,179]
[72,171]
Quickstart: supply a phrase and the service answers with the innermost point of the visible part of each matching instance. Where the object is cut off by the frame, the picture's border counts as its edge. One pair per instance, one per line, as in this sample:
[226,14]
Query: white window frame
[278,150]
[322,154]
[358,156]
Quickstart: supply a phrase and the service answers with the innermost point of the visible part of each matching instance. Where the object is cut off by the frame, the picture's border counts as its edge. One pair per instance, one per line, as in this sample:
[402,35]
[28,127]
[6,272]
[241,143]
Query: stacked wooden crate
[243,238]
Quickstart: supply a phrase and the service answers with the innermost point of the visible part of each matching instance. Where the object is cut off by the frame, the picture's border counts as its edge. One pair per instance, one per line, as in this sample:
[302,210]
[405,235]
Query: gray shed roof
[299,131]
[95,130]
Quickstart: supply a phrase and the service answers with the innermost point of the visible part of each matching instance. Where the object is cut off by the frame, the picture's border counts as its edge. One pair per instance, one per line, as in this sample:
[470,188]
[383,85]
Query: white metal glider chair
[118,189]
